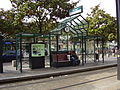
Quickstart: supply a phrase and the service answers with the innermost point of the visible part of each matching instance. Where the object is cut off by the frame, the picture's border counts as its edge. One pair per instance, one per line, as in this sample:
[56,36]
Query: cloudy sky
[107,5]
[5,4]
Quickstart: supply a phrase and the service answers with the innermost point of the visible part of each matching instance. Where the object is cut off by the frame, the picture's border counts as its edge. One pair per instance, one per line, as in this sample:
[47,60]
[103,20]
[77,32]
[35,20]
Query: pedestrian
[74,59]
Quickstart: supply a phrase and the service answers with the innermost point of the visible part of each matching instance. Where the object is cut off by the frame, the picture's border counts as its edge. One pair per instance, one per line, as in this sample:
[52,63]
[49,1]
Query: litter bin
[97,56]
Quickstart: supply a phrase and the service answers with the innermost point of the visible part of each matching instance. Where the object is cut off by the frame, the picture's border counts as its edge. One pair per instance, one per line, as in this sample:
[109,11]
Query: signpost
[76,10]
[118,37]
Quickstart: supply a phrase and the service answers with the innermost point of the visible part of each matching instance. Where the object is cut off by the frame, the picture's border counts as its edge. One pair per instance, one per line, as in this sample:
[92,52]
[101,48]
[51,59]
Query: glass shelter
[71,36]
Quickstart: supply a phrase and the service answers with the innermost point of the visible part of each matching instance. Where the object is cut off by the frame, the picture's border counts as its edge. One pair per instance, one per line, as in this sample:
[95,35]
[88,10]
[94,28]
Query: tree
[7,25]
[41,15]
[101,24]
[6,19]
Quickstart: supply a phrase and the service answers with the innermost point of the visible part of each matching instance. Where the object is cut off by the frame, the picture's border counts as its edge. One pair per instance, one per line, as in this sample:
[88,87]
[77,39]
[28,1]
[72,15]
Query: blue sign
[8,43]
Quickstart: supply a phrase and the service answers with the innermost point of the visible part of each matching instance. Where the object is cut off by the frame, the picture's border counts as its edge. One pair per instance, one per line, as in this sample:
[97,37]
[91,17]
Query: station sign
[76,10]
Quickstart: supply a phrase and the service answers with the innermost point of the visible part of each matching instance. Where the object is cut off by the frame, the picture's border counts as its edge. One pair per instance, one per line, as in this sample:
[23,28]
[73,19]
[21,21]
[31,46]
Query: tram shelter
[71,32]
[30,50]
[70,37]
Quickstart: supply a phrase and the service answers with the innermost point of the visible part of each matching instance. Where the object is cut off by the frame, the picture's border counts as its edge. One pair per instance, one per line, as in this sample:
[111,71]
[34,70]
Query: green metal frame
[94,38]
[79,29]
[19,43]
[76,26]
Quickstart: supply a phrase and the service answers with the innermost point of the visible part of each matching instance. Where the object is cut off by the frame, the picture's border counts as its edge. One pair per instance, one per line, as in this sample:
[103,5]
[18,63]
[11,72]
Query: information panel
[37,50]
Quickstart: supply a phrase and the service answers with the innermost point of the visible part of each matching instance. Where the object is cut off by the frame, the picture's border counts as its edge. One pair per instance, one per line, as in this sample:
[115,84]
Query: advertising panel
[37,50]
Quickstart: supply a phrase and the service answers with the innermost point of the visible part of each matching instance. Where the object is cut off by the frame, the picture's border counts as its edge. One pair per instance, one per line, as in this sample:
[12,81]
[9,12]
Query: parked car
[8,56]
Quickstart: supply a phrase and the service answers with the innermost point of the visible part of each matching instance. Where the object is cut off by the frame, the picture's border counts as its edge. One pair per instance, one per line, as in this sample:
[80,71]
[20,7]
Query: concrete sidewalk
[11,75]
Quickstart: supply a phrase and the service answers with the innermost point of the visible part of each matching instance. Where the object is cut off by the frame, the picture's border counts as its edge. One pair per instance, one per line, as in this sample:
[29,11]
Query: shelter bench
[61,60]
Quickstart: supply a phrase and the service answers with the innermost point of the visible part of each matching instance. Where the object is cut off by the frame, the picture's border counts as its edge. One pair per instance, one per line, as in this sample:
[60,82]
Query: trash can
[97,56]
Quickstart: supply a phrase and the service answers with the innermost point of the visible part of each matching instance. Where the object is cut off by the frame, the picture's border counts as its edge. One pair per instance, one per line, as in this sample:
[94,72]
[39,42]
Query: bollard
[13,63]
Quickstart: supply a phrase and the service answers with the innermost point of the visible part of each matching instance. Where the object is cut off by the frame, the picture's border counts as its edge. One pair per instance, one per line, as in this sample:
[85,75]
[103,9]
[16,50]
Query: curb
[58,73]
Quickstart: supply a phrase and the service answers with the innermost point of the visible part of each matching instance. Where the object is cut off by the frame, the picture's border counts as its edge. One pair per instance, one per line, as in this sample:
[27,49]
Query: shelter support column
[85,51]
[67,42]
[57,43]
[82,51]
[21,53]
[94,51]
[50,50]
[103,50]
[1,51]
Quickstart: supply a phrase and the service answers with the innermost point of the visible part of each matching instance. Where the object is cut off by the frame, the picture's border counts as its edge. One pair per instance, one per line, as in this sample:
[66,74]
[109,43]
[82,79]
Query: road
[104,79]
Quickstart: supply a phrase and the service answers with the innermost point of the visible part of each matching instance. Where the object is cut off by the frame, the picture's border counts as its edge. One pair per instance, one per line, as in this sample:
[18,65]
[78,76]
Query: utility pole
[118,37]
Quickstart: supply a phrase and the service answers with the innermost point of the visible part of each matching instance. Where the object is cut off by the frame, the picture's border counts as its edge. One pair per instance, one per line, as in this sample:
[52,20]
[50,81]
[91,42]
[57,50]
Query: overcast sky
[107,5]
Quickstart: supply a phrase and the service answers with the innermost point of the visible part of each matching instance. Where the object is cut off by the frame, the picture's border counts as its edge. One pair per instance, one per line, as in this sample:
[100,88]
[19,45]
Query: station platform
[10,74]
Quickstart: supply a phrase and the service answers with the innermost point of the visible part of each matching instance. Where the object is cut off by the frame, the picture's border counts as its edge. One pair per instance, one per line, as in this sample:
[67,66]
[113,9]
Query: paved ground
[103,79]
[10,72]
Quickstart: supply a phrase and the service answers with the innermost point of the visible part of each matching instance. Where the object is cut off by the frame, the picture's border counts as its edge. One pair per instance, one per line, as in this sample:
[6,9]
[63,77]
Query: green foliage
[6,25]
[42,14]
[101,24]
[33,16]
[9,26]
